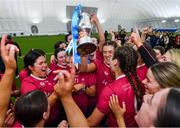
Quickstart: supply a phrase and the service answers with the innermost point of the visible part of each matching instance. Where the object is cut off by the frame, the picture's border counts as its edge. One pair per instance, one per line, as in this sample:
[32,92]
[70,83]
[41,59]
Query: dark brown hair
[127,58]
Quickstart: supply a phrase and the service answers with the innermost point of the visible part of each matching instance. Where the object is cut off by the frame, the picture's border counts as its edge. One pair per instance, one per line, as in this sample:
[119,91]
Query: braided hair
[127,58]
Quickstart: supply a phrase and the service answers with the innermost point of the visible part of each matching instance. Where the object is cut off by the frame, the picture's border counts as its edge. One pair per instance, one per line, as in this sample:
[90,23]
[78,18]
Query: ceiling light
[176,20]
[36,21]
[65,20]
[102,21]
[163,21]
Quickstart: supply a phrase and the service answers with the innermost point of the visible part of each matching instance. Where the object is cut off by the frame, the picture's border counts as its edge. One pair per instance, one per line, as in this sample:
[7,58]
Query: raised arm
[146,53]
[64,89]
[112,35]
[8,56]
[52,99]
[95,20]
[144,34]
[84,66]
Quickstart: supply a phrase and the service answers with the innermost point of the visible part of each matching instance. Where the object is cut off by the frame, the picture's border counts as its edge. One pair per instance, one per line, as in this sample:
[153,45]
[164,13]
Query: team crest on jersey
[105,82]
[49,84]
[76,80]
[106,73]
[82,79]
[42,84]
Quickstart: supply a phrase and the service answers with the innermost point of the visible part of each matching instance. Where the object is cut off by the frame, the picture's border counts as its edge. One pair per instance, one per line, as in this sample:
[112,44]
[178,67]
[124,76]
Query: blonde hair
[175,55]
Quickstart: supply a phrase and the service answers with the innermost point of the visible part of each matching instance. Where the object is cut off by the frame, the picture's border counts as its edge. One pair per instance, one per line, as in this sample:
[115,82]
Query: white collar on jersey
[37,77]
[140,65]
[61,66]
[106,64]
[121,76]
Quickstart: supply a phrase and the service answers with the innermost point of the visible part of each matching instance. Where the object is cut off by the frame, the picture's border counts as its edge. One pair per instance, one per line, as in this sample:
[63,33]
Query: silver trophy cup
[85,45]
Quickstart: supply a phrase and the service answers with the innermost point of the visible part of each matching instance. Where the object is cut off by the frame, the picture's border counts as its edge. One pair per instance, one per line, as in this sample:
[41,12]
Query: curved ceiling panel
[118,9]
[112,11]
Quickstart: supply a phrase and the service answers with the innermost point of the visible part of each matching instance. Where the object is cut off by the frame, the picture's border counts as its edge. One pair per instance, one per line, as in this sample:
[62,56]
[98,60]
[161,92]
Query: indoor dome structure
[53,16]
[89,63]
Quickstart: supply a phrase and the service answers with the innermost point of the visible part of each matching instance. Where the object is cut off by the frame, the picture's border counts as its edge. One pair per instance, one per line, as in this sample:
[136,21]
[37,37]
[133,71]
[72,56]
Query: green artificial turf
[46,43]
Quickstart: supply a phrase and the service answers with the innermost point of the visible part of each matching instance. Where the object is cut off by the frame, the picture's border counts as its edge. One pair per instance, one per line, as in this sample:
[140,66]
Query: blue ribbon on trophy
[74,28]
[80,24]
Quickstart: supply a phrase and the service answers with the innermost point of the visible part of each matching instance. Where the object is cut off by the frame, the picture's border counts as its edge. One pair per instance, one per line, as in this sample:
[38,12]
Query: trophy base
[86,48]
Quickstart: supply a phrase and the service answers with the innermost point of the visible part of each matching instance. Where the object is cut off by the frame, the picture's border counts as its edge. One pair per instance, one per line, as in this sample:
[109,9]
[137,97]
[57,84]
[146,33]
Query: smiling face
[148,111]
[151,85]
[158,54]
[167,57]
[108,52]
[61,58]
[94,40]
[39,69]
[69,38]
[69,60]
[114,65]
[62,45]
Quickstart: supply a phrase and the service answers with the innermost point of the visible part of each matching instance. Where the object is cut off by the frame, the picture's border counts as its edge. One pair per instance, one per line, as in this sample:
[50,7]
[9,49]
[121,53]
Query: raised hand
[112,35]
[94,18]
[9,119]
[144,33]
[64,89]
[65,82]
[136,39]
[145,30]
[63,124]
[8,54]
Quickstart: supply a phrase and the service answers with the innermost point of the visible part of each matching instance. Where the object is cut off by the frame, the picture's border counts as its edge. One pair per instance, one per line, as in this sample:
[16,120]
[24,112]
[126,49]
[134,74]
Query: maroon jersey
[123,89]
[80,97]
[104,76]
[31,83]
[54,67]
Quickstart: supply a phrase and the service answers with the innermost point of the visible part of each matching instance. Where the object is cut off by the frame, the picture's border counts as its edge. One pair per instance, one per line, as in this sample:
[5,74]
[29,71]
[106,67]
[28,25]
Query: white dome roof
[49,15]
